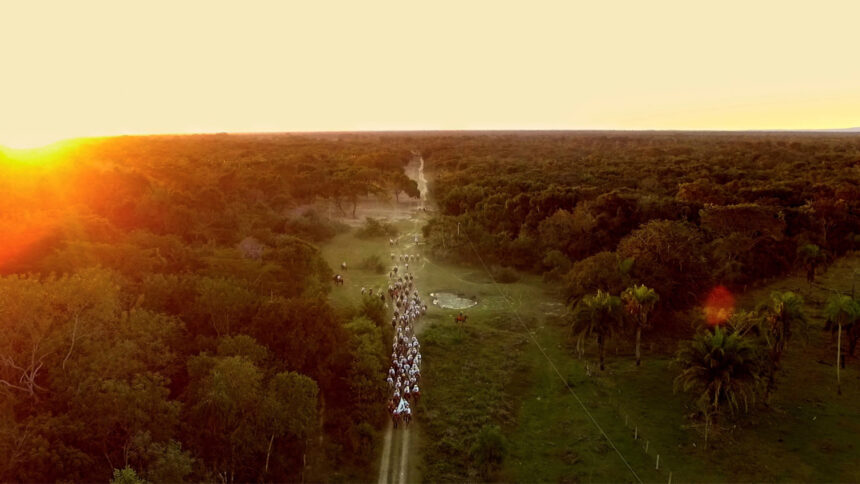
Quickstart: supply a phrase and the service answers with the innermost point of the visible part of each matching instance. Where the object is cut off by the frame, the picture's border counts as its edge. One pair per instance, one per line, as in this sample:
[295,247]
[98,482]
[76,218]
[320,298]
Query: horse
[460,318]
[338,280]
[343,265]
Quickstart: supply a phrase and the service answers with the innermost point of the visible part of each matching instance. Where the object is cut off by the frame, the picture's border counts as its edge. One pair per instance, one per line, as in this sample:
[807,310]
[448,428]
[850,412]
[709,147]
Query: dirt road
[398,464]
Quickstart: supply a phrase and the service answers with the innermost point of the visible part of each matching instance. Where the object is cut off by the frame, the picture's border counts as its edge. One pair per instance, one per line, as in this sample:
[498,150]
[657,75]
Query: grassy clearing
[491,372]
[807,434]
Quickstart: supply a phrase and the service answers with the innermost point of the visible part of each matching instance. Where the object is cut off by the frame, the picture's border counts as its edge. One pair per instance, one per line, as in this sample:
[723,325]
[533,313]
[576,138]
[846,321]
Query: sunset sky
[74,69]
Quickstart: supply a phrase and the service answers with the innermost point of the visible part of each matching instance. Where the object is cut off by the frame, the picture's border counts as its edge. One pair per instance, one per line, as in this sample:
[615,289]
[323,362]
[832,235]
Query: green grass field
[808,433]
[492,372]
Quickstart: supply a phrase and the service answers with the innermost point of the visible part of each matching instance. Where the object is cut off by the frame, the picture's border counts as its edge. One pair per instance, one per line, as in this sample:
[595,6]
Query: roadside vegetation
[376,228]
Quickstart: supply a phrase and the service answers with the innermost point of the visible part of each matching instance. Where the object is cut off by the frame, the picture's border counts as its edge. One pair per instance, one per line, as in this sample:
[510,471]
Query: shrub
[376,228]
[489,450]
[604,270]
[373,263]
[504,275]
[373,308]
[312,226]
[556,265]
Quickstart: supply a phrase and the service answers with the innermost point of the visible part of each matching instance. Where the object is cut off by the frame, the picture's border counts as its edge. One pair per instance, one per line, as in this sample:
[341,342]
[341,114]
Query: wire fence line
[551,363]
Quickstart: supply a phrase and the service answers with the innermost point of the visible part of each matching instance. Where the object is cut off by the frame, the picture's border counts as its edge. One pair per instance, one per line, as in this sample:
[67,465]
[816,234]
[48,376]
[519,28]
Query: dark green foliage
[126,475]
[369,364]
[311,226]
[639,301]
[669,257]
[604,271]
[842,313]
[459,411]
[373,308]
[376,228]
[504,275]
[174,326]
[723,367]
[597,315]
[187,332]
[782,319]
[373,263]
[811,256]
[489,451]
[556,266]
[162,462]
[733,208]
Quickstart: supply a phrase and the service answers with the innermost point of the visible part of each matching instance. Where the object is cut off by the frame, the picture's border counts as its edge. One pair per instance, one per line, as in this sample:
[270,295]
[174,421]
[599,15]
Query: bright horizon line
[845,130]
[96,68]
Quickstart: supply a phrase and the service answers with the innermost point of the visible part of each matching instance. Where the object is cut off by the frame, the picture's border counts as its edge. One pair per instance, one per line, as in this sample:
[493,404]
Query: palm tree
[782,315]
[723,367]
[811,255]
[743,323]
[639,300]
[841,310]
[598,315]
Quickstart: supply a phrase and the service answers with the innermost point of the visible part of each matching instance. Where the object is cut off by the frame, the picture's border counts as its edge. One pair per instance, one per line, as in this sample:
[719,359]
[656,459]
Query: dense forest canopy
[680,246]
[164,304]
[164,308]
[689,209]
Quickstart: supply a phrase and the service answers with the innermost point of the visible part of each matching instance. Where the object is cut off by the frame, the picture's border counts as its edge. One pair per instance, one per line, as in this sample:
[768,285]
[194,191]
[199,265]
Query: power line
[551,363]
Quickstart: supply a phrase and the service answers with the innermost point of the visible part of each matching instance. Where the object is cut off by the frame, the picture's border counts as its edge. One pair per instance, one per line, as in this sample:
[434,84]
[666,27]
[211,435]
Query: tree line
[679,212]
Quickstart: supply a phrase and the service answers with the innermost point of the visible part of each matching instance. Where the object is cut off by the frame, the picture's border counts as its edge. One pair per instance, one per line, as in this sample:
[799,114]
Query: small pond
[449,300]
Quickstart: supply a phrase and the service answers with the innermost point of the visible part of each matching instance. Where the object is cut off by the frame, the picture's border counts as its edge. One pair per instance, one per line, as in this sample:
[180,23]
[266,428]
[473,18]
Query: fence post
[636,433]
[658,462]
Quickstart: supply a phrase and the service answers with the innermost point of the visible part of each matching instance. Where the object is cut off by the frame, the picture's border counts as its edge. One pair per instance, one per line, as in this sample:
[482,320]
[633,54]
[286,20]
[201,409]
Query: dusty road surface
[399,462]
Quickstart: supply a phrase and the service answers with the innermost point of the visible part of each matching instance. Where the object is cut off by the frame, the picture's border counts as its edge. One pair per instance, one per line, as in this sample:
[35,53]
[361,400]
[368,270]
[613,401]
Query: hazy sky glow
[103,68]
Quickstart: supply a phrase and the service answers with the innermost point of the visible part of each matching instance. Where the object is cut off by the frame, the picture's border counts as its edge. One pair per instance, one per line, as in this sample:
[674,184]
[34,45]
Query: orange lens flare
[719,305]
[18,242]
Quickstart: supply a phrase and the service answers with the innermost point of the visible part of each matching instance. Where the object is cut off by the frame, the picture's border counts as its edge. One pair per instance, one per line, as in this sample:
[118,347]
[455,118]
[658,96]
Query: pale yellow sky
[88,68]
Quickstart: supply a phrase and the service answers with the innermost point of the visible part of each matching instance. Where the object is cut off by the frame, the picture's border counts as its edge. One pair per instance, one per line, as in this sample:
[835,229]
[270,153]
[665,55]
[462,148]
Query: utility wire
[549,360]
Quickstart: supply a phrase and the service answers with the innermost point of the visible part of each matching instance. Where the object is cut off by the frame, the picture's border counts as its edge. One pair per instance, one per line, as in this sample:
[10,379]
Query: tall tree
[810,256]
[288,407]
[399,182]
[670,257]
[841,311]
[598,315]
[723,367]
[639,301]
[782,317]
